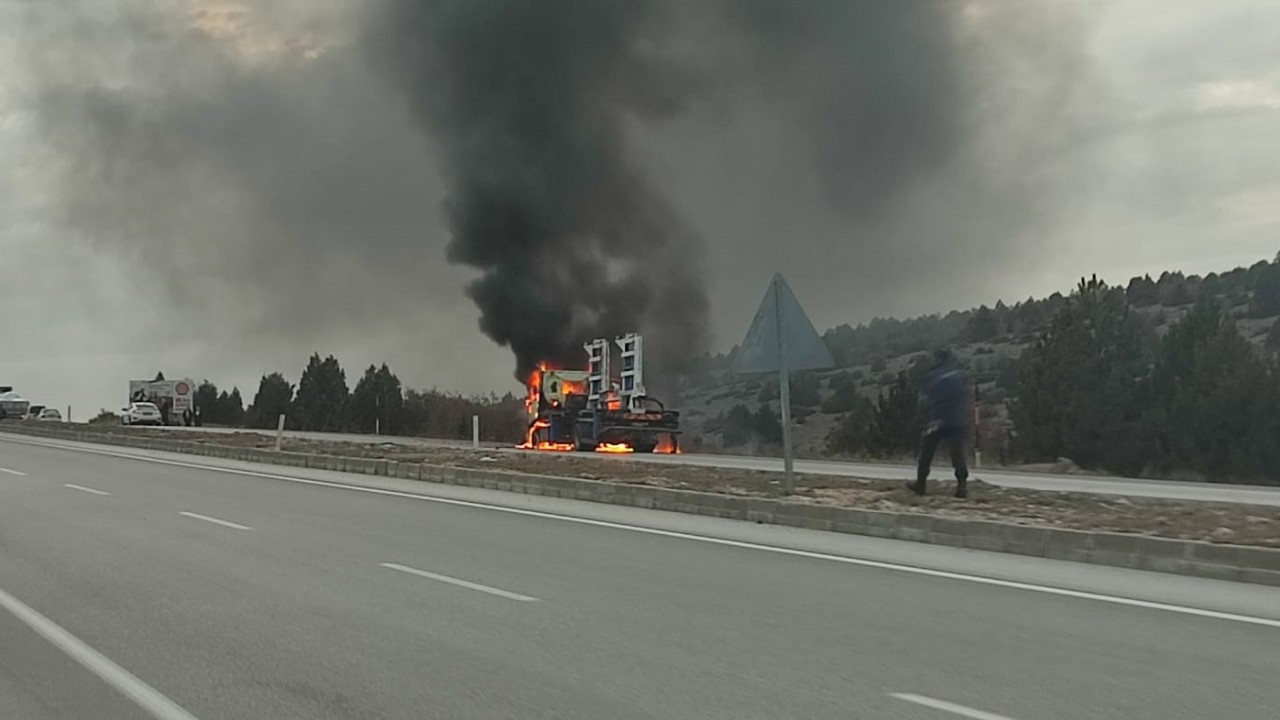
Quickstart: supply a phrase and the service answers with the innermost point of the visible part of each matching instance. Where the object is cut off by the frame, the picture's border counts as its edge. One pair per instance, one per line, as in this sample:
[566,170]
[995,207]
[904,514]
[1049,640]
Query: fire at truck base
[592,410]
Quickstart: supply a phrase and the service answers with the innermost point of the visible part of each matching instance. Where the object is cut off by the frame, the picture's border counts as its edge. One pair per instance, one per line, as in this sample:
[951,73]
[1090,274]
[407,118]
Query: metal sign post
[781,339]
[784,395]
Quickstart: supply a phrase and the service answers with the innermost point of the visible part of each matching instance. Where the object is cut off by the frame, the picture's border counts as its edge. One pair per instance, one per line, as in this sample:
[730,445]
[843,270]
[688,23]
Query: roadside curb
[1180,557]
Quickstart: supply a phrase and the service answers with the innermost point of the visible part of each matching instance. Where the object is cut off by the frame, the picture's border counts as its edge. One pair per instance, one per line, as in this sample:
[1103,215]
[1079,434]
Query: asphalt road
[229,590]
[1172,490]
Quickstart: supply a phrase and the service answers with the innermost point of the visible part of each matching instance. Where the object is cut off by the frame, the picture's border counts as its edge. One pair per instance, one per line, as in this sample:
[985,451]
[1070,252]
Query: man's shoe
[917,487]
[962,489]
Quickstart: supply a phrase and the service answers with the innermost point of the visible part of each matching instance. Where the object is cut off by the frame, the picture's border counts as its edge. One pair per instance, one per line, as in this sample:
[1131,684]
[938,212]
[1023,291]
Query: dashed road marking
[215,521]
[82,488]
[461,583]
[950,707]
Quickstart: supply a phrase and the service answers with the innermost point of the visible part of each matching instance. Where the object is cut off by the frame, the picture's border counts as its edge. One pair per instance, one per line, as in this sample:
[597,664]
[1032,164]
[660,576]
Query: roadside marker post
[279,432]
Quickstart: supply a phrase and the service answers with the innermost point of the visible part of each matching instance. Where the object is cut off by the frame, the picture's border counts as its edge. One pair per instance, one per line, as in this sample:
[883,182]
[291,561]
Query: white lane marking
[13,472]
[147,697]
[82,488]
[460,583]
[949,707]
[979,579]
[215,520]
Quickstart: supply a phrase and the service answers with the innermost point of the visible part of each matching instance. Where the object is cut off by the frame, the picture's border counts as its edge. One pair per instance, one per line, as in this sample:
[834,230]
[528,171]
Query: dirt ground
[1238,524]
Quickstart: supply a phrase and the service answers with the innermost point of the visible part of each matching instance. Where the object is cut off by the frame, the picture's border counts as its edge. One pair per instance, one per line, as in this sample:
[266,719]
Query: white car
[141,413]
[49,415]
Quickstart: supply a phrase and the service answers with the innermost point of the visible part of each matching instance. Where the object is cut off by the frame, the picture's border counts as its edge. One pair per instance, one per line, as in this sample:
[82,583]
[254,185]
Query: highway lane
[289,609]
[1165,489]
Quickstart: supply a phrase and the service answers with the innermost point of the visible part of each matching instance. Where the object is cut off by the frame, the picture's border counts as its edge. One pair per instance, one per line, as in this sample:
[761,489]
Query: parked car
[141,413]
[49,415]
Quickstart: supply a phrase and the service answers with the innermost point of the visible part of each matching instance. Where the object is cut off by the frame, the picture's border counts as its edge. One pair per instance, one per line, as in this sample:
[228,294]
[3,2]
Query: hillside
[723,412]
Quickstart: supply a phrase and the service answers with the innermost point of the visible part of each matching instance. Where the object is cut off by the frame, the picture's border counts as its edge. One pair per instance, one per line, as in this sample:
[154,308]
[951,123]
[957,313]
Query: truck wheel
[579,444]
[645,447]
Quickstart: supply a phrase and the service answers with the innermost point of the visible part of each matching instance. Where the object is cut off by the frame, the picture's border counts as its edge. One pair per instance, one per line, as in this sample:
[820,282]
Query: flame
[531,401]
[614,448]
[667,445]
[534,387]
[534,427]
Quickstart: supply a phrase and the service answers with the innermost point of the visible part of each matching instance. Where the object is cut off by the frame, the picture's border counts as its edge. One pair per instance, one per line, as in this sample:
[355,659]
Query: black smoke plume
[273,170]
[529,101]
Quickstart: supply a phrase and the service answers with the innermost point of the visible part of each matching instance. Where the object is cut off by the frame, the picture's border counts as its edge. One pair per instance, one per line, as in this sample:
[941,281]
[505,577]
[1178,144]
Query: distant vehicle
[49,415]
[13,406]
[141,413]
[33,412]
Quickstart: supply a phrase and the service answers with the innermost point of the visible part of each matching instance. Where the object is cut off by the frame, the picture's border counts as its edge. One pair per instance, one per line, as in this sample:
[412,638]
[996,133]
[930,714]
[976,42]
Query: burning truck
[592,409]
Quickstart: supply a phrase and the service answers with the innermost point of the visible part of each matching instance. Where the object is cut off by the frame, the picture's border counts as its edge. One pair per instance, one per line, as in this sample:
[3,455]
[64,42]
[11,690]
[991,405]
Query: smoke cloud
[285,171]
[529,102]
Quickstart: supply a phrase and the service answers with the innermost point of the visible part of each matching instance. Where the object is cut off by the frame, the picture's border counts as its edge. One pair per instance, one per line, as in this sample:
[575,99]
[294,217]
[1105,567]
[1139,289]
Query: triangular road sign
[797,346]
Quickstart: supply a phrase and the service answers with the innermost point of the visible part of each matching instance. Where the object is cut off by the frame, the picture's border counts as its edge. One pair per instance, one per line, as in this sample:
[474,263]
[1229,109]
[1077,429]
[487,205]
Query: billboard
[175,398]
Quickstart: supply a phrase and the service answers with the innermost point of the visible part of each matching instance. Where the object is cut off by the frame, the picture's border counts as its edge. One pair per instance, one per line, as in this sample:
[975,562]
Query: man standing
[944,396]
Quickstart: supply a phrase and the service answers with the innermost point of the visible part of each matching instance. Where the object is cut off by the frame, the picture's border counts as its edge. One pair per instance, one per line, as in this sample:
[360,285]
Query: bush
[768,427]
[844,394]
[804,390]
[738,426]
[853,434]
[769,391]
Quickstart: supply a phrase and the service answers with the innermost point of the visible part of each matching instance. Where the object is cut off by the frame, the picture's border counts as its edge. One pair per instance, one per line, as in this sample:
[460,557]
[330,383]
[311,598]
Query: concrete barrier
[1182,557]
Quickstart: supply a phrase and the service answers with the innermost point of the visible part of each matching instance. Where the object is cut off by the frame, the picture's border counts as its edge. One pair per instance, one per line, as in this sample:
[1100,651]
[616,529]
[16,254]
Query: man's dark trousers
[954,437]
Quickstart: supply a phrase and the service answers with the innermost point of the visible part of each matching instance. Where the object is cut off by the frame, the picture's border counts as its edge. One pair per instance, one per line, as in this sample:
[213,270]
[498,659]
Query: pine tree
[983,325]
[377,402]
[206,398]
[1077,385]
[1265,301]
[1215,398]
[898,419]
[321,401]
[274,397]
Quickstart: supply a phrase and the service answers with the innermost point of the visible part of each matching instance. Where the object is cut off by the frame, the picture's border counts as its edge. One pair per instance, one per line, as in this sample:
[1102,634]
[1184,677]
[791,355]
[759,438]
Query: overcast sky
[217,189]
